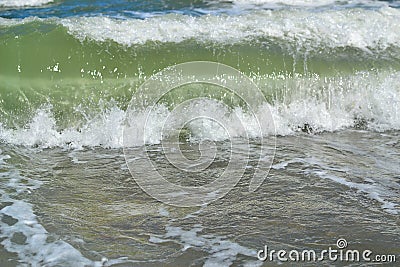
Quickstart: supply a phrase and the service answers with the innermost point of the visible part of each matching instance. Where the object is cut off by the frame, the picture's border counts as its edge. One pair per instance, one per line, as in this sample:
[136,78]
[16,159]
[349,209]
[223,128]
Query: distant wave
[341,28]
[333,28]
[250,4]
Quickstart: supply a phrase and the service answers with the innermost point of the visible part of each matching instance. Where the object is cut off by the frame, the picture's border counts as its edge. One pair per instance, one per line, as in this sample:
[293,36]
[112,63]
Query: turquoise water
[142,9]
[326,78]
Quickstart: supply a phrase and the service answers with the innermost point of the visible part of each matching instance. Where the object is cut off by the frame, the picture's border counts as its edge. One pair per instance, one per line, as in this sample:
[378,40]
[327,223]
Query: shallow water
[320,188]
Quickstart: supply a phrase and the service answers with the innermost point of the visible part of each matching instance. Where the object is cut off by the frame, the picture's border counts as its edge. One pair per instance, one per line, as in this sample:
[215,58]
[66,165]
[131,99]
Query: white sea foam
[360,28]
[36,250]
[23,3]
[273,3]
[21,232]
[105,130]
[222,252]
[372,98]
[371,30]
[373,191]
[245,4]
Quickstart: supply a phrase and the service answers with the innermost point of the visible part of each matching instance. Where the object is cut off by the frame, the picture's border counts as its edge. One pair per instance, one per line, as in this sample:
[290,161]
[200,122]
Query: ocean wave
[364,101]
[367,29]
[333,99]
[341,28]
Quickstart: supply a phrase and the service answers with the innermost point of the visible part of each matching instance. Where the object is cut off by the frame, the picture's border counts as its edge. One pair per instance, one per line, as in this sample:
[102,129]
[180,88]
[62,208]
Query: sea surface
[329,76]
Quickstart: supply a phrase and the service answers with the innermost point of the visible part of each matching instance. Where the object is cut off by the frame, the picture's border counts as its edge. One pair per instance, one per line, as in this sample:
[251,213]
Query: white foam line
[36,250]
[371,190]
[360,28]
[222,252]
[274,3]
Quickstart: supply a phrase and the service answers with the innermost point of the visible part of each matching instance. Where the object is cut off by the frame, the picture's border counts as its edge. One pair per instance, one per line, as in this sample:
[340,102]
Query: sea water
[330,75]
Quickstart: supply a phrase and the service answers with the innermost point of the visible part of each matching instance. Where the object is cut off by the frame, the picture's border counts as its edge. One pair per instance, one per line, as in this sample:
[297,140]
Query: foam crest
[332,29]
[103,130]
[366,101]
